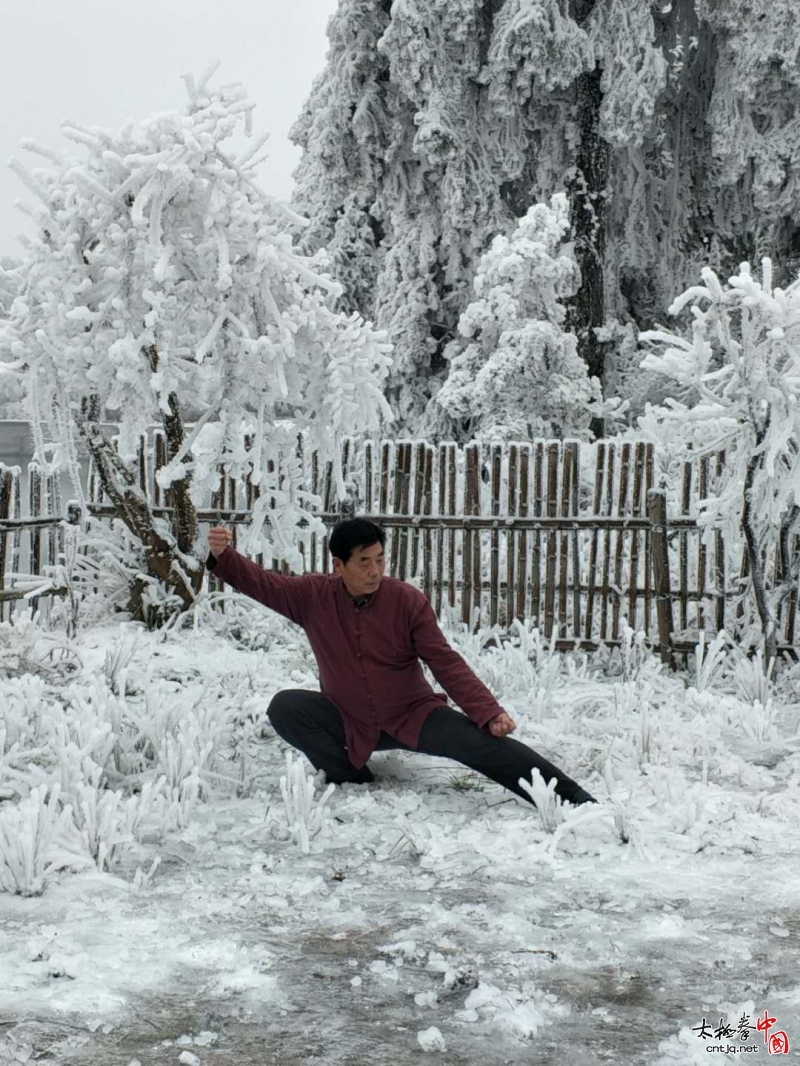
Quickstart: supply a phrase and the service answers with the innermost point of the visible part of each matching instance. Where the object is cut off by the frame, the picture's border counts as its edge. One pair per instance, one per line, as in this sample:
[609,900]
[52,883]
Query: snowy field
[430,916]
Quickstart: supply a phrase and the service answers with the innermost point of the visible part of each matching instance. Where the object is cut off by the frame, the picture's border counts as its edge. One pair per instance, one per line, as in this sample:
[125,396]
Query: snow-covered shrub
[647,733]
[548,804]
[55,750]
[754,684]
[17,643]
[28,833]
[101,725]
[118,658]
[183,754]
[684,803]
[739,391]
[230,616]
[633,652]
[163,284]
[621,808]
[158,730]
[178,803]
[517,373]
[106,821]
[192,740]
[305,812]
[26,647]
[758,720]
[523,668]
[708,662]
[626,698]
[633,701]
[536,649]
[101,561]
[25,705]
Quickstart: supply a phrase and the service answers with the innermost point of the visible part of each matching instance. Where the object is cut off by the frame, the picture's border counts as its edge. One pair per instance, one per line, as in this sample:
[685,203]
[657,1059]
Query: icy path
[421,909]
[290,959]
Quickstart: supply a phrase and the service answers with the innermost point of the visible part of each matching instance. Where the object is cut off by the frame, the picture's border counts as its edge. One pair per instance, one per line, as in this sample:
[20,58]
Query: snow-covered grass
[156,842]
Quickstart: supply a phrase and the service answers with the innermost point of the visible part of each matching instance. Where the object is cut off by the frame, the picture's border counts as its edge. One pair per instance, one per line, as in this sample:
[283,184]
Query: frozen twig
[305,814]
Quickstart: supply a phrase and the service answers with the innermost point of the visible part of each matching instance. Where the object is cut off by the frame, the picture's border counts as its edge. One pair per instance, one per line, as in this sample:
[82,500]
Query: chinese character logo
[765,1024]
[776,1041]
[778,1044]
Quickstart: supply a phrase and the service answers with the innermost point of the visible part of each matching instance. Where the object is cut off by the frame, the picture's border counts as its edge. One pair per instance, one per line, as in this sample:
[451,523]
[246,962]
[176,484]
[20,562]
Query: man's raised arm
[289,596]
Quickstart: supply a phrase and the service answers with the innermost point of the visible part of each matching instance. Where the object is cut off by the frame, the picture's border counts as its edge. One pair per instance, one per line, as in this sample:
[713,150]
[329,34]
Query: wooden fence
[579,538]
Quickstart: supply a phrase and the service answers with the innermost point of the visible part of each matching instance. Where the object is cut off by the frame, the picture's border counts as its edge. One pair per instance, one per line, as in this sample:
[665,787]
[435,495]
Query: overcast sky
[103,62]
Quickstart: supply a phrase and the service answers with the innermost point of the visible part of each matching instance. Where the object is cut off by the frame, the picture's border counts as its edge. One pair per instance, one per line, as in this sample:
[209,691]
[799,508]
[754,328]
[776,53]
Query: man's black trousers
[310,722]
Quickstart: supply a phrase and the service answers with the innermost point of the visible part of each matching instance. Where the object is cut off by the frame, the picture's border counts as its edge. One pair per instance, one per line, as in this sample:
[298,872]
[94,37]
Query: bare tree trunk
[757,570]
[184,521]
[587,187]
[165,560]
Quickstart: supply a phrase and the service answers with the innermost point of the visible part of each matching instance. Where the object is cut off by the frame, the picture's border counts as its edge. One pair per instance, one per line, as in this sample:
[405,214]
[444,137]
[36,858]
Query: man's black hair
[354,533]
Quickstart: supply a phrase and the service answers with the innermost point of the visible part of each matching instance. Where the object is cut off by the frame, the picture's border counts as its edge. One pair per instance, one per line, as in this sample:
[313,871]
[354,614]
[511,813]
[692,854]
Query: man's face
[363,571]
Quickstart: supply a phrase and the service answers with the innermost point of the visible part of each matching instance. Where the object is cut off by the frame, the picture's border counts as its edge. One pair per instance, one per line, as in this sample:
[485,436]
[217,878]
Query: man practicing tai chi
[368,633]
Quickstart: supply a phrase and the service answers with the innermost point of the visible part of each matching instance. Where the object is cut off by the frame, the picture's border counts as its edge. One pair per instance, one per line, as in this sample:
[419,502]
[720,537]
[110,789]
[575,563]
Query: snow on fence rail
[578,537]
[42,528]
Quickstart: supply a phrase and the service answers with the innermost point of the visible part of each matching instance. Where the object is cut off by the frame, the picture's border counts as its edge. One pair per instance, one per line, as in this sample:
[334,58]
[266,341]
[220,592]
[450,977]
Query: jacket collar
[361,603]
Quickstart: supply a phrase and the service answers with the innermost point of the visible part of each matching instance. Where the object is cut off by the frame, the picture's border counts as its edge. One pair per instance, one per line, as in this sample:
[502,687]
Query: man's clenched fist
[502,724]
[218,540]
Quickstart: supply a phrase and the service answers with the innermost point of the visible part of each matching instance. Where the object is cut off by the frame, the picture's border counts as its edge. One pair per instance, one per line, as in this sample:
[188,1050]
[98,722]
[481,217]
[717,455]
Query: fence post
[74,513]
[6,491]
[657,513]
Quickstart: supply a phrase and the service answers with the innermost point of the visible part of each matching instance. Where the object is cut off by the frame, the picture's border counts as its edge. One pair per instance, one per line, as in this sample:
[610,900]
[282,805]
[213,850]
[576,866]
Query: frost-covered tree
[164,281]
[435,126]
[739,373]
[517,373]
[9,284]
[10,388]
[393,180]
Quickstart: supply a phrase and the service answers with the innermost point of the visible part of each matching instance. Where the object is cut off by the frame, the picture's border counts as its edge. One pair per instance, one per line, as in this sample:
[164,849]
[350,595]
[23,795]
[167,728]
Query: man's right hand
[218,540]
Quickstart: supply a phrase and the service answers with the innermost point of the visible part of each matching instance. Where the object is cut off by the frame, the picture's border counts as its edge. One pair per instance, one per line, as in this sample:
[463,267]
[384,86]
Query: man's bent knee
[280,708]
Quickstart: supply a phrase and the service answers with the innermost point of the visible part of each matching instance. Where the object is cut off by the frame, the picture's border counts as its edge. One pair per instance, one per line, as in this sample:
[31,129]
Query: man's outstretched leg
[312,724]
[451,734]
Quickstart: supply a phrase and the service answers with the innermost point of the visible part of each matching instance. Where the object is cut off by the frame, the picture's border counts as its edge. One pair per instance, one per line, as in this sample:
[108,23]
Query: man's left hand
[501,725]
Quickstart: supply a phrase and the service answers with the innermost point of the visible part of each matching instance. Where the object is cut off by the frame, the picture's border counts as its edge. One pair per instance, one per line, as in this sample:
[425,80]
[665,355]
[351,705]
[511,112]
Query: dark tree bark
[184,520]
[166,559]
[755,557]
[587,190]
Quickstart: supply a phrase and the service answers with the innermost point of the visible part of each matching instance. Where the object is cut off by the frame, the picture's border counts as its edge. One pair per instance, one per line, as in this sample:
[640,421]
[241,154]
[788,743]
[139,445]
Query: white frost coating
[431,1039]
[205,345]
[29,181]
[549,806]
[634,69]
[435,126]
[141,240]
[517,374]
[305,812]
[739,375]
[535,44]
[27,834]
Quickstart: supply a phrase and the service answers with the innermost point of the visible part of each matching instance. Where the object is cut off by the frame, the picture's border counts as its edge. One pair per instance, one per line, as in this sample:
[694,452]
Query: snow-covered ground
[431,915]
